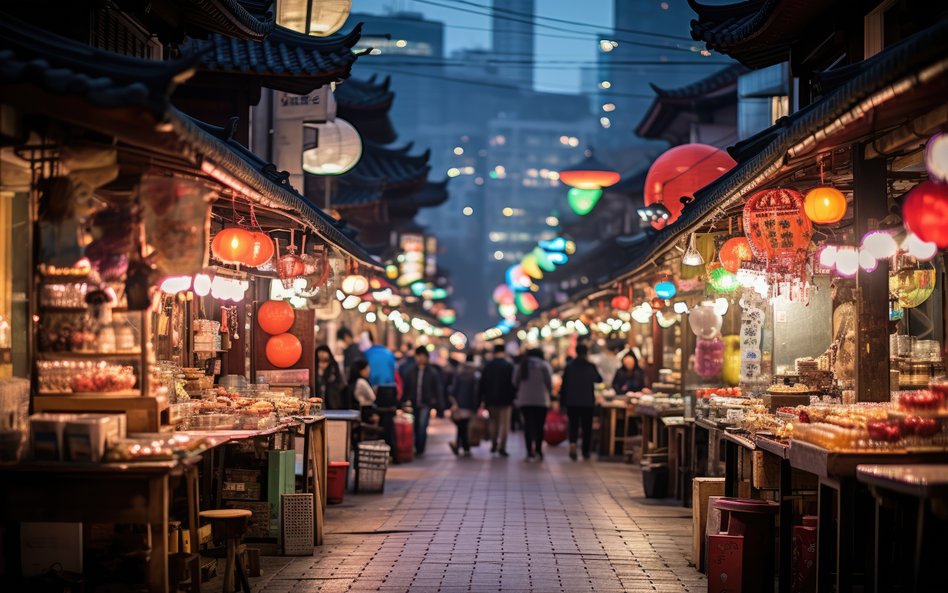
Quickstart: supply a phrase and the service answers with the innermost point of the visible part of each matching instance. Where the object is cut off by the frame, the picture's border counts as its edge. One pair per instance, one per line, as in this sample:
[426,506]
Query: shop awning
[285,60]
[908,79]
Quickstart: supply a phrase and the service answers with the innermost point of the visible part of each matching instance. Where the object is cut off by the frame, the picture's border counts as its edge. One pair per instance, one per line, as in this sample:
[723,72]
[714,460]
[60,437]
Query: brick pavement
[488,524]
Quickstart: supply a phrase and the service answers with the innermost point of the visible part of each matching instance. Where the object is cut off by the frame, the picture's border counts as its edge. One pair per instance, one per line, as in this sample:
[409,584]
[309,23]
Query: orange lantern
[679,173]
[275,317]
[589,174]
[621,302]
[777,228]
[261,251]
[733,252]
[284,350]
[232,246]
[825,205]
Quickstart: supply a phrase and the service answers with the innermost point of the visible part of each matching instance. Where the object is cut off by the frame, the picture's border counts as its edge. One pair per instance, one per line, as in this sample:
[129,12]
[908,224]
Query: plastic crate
[371,465]
[297,524]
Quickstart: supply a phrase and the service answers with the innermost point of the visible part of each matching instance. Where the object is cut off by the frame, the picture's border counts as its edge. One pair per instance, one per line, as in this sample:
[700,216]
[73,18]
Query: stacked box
[702,490]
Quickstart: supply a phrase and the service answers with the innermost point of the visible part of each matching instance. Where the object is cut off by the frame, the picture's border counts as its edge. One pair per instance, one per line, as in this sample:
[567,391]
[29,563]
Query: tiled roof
[916,65]
[242,19]
[366,104]
[286,60]
[62,66]
[388,168]
[757,33]
[432,194]
[355,195]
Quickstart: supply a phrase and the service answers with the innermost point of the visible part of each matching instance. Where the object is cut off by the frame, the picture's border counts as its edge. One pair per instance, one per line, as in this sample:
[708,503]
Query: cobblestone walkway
[488,524]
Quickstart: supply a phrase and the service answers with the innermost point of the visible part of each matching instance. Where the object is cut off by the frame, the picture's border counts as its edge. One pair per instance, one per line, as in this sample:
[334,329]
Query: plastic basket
[297,526]
[371,465]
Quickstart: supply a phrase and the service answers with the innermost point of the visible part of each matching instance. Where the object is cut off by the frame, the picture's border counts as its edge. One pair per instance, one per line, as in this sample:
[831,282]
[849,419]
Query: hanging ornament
[232,245]
[912,286]
[284,350]
[678,173]
[925,212]
[733,252]
[582,201]
[531,267]
[867,261]
[275,317]
[526,303]
[825,205]
[621,302]
[777,229]
[261,250]
[936,157]
[290,266]
[589,174]
[666,289]
[642,313]
[692,256]
[709,357]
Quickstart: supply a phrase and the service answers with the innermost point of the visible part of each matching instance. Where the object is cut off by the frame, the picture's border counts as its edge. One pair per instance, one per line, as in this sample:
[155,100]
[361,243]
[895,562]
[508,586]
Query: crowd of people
[501,389]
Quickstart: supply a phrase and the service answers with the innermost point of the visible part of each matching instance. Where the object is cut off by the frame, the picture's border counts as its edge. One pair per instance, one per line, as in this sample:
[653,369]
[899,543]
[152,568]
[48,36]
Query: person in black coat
[577,393]
[497,392]
[630,378]
[423,388]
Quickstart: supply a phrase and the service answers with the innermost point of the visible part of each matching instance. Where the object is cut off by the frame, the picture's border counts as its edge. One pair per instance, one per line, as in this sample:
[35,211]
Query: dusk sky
[550,43]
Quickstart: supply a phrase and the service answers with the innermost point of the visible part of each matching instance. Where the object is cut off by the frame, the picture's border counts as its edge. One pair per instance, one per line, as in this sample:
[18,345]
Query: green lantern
[582,201]
[722,280]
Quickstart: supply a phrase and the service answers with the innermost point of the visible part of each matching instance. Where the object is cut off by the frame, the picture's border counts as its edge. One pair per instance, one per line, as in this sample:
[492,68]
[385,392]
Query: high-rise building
[512,40]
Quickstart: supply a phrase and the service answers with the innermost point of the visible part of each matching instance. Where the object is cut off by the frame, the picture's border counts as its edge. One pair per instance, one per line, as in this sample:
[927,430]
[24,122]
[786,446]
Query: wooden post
[870,205]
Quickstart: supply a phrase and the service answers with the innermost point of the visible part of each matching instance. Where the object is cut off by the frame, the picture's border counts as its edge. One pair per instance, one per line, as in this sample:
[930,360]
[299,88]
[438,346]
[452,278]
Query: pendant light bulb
[692,256]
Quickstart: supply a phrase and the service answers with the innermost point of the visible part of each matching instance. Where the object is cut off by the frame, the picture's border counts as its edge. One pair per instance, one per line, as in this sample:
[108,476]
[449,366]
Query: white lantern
[325,16]
[337,148]
[867,261]
[847,261]
[919,249]
[356,284]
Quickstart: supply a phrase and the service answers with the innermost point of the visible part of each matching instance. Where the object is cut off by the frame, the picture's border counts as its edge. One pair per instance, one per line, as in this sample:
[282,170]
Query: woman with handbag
[465,400]
[533,378]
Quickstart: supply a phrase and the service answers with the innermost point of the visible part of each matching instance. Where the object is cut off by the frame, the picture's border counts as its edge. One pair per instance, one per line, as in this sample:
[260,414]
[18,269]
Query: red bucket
[336,482]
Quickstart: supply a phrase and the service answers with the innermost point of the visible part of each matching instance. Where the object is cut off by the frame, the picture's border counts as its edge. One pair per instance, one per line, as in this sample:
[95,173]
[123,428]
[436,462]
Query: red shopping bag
[477,431]
[554,431]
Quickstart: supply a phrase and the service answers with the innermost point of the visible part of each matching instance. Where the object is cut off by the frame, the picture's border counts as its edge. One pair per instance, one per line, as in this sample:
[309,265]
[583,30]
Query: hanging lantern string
[820,159]
[253,219]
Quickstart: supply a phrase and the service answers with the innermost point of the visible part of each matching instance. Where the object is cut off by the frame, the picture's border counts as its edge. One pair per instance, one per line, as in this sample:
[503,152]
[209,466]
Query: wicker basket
[371,465]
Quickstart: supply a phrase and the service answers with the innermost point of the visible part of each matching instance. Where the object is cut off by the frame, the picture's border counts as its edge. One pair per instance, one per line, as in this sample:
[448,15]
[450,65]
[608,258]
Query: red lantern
[284,350]
[232,246]
[589,174]
[658,303]
[777,228]
[261,251]
[679,173]
[733,252]
[925,212]
[290,267]
[621,302]
[275,317]
[825,205]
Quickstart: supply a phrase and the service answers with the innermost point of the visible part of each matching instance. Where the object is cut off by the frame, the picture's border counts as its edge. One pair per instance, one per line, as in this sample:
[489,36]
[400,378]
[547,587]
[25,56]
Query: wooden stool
[229,525]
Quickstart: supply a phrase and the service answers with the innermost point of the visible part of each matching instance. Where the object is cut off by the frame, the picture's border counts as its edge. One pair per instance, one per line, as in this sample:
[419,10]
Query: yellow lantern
[825,205]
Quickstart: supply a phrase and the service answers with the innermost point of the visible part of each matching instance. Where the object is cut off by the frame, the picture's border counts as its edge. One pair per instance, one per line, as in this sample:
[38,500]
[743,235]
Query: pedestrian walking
[533,379]
[464,398]
[382,379]
[577,394]
[423,389]
[330,385]
[630,377]
[497,392]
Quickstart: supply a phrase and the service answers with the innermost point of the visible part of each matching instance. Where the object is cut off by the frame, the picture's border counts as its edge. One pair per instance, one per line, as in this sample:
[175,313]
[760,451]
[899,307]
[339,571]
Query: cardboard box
[702,489]
[44,545]
[47,436]
[281,479]
[725,553]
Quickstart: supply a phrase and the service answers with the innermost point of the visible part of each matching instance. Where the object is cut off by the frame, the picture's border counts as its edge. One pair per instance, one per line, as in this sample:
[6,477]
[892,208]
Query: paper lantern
[284,350]
[447,316]
[326,16]
[912,287]
[709,357]
[233,245]
[881,244]
[825,205]
[526,303]
[261,250]
[517,279]
[275,317]
[582,201]
[290,267]
[356,284]
[338,148]
[847,260]
[680,172]
[733,252]
[530,267]
[704,322]
[731,369]
[543,259]
[925,212]
[666,289]
[722,280]
[589,174]
[621,302]
[502,295]
[777,229]
[922,250]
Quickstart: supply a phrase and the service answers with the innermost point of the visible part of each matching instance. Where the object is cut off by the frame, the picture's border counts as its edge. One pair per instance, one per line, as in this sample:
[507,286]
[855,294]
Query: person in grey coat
[533,378]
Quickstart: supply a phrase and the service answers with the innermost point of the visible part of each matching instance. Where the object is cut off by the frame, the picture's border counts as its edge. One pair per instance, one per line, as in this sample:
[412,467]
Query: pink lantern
[679,173]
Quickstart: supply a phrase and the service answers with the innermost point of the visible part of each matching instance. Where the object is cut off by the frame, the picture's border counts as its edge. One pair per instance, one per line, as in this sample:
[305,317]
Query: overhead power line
[599,28]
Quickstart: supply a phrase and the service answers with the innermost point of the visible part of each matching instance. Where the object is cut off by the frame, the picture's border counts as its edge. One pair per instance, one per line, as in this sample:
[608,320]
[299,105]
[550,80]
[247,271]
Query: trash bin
[655,474]
[754,521]
[336,481]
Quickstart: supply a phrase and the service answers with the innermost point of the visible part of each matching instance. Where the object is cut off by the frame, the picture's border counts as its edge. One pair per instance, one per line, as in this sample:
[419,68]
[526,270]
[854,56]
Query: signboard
[411,259]
[289,113]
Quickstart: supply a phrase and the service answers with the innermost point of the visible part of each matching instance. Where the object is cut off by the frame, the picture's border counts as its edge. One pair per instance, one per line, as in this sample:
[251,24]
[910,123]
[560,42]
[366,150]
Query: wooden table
[837,500]
[917,494]
[135,492]
[316,462]
[613,427]
[654,435]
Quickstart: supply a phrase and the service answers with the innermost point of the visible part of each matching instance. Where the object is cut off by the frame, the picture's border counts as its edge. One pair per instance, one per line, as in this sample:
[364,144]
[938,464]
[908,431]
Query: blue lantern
[666,290]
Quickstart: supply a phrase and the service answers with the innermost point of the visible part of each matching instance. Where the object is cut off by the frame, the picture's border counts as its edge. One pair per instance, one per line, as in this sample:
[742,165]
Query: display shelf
[47,309]
[87,355]
[90,394]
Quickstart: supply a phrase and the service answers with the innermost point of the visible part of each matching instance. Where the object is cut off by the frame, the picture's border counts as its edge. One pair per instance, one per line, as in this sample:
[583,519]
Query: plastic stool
[230,525]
